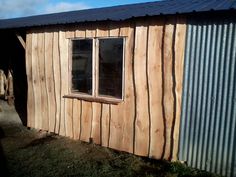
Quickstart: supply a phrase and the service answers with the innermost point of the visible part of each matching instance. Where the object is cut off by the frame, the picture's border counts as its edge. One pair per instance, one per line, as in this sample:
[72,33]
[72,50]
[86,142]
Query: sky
[20,8]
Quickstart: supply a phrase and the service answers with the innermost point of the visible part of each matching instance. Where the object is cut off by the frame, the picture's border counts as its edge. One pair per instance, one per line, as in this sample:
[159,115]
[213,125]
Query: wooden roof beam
[19,37]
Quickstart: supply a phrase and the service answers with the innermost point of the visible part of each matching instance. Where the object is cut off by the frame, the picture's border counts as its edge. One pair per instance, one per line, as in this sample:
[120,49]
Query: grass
[28,153]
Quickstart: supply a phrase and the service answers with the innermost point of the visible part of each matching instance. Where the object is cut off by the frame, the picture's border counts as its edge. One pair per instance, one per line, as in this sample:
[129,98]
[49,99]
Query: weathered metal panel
[208,120]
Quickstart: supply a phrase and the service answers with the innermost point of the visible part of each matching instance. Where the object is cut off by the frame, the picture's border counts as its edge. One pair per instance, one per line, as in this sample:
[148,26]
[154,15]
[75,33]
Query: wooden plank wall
[147,122]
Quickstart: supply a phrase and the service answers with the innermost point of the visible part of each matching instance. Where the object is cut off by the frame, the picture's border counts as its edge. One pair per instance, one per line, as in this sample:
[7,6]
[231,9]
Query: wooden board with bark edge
[50,90]
[44,120]
[69,102]
[30,95]
[57,80]
[117,111]
[63,54]
[142,116]
[127,31]
[154,66]
[168,85]
[36,82]
[179,67]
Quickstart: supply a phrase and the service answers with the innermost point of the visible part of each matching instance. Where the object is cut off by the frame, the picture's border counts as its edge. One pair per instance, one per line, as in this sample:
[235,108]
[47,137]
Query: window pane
[82,65]
[110,67]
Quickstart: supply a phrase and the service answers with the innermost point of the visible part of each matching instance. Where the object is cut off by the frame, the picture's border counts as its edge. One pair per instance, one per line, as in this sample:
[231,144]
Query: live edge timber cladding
[146,123]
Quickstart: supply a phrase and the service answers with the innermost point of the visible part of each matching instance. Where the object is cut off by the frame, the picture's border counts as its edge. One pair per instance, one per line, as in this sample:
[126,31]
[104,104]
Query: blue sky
[19,8]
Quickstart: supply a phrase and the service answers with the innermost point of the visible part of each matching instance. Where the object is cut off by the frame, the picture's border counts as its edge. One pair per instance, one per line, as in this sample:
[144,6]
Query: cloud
[19,8]
[63,6]
[14,8]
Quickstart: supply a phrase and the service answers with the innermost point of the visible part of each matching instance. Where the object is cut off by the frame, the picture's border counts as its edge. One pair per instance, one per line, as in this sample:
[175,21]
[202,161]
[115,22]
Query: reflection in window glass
[82,66]
[110,67]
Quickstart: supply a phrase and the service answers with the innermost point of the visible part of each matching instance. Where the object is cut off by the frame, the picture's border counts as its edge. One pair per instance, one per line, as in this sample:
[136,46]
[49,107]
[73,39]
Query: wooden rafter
[21,40]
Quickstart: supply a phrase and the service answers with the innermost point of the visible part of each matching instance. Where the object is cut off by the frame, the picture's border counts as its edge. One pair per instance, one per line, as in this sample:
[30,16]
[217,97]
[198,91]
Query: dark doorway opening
[13,58]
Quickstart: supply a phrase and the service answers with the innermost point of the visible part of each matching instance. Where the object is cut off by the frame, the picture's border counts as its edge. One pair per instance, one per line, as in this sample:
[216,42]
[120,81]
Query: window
[97,67]
[82,66]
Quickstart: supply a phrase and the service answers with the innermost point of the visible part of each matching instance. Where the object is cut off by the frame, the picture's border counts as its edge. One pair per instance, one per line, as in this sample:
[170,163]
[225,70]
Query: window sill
[108,100]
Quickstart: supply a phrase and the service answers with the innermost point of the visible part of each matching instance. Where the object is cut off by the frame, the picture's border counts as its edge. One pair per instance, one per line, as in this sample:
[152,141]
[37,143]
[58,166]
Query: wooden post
[10,91]
[2,83]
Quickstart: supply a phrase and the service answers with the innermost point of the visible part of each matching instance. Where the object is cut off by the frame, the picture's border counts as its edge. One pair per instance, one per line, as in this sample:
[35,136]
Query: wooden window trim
[95,97]
[107,100]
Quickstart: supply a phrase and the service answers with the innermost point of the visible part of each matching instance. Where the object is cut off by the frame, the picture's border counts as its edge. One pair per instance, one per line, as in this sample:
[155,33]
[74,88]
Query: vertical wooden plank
[70,33]
[69,102]
[80,32]
[96,107]
[86,121]
[41,59]
[179,67]
[168,86]
[63,48]
[90,32]
[69,118]
[57,79]
[102,31]
[105,122]
[155,88]
[114,29]
[51,100]
[129,107]
[116,125]
[30,95]
[86,112]
[36,81]
[95,134]
[105,108]
[117,111]
[76,118]
[142,115]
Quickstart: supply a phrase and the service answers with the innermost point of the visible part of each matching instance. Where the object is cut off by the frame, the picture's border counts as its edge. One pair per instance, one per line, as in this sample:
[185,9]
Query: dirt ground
[29,153]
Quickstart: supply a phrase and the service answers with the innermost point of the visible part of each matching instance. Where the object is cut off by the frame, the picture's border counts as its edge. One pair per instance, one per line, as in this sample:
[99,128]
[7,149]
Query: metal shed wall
[208,120]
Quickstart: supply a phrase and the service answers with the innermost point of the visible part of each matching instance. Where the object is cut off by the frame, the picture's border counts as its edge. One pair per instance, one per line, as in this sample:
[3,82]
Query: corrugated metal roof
[123,12]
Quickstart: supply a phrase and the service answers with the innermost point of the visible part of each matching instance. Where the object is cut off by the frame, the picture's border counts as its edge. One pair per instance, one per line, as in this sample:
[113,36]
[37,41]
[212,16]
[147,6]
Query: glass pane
[110,67]
[82,65]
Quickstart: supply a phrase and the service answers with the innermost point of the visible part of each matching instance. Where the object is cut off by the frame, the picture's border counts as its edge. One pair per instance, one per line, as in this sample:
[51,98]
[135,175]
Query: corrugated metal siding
[208,121]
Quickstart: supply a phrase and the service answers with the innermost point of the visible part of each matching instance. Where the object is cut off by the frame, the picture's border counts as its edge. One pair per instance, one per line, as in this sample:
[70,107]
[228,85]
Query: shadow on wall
[3,162]
[13,57]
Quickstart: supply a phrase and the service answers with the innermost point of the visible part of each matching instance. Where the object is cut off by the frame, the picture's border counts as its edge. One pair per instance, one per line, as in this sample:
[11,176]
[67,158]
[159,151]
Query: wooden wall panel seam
[101,141]
[173,92]
[135,91]
[163,83]
[91,122]
[148,93]
[81,108]
[109,127]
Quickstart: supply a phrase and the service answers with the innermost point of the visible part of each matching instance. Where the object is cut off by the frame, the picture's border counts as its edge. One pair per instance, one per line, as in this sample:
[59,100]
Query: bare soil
[30,153]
